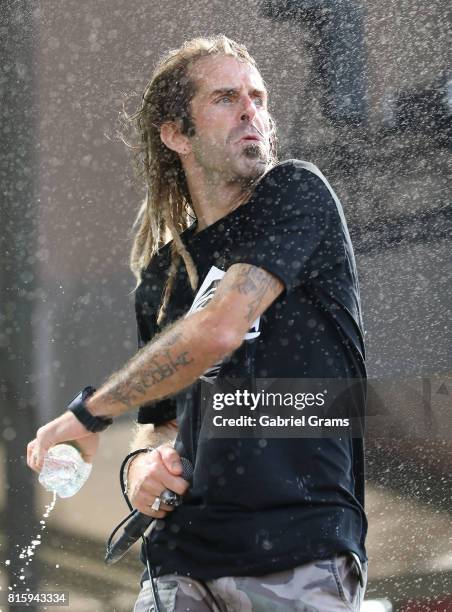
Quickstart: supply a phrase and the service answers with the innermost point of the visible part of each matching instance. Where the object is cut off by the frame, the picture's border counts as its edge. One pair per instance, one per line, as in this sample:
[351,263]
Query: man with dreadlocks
[257,280]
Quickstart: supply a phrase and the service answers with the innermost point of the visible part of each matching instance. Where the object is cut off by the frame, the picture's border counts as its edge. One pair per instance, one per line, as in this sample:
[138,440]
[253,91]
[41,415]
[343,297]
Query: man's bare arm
[174,360]
[186,349]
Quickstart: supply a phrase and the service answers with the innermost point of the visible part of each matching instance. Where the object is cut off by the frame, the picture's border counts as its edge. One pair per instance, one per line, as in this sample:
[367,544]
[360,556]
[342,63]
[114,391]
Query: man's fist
[150,474]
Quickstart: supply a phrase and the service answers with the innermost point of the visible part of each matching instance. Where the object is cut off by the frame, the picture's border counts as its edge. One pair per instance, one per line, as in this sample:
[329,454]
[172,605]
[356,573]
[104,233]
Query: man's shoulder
[302,180]
[295,173]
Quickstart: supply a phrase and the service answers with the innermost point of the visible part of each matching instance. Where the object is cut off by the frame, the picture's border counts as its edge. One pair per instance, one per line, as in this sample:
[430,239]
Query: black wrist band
[89,421]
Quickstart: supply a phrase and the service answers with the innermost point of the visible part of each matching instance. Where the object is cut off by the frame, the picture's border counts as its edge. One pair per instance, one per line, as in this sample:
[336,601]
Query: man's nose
[248,110]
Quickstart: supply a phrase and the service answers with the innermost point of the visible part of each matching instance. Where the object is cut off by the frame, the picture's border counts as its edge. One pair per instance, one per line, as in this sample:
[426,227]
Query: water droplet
[28,551]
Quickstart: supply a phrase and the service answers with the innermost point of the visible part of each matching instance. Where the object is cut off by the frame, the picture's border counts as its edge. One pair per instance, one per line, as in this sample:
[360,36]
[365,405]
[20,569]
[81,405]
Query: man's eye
[259,101]
[225,98]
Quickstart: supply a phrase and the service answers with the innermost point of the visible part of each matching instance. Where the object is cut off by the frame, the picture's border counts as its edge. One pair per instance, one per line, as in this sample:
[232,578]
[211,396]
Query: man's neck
[213,201]
[220,205]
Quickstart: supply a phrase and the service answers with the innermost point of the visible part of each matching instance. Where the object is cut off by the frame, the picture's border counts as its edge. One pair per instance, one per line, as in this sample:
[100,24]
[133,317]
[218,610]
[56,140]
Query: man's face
[230,114]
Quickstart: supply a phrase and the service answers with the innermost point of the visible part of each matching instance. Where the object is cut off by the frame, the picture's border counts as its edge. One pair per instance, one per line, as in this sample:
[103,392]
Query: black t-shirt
[263,505]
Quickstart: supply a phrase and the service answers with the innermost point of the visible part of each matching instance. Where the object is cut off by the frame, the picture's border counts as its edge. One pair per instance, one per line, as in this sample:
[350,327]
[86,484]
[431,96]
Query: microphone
[137,522]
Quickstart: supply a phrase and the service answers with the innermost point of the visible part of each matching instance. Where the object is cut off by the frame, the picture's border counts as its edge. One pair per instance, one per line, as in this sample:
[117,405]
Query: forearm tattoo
[129,387]
[163,359]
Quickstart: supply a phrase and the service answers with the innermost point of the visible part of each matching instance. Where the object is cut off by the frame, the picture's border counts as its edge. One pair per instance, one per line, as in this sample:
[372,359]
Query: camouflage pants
[329,585]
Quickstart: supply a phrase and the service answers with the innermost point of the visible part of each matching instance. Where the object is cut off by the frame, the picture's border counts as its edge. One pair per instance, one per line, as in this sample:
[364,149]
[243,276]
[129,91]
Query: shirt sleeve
[156,412]
[292,220]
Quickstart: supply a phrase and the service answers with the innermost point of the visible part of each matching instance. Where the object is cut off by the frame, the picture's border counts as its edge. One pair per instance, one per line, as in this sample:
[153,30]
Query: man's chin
[252,164]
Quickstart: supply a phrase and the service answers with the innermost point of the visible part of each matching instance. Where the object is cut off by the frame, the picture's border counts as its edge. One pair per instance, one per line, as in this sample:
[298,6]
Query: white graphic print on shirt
[202,298]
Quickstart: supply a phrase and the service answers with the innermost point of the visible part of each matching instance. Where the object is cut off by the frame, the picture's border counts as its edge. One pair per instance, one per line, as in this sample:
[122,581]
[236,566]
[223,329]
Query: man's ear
[172,137]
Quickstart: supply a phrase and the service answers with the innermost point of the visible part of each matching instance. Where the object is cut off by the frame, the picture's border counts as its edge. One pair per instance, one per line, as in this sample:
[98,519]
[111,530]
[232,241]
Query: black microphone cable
[157,603]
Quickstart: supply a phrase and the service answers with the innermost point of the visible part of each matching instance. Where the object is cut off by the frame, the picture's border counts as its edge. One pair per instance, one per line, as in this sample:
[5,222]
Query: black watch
[78,408]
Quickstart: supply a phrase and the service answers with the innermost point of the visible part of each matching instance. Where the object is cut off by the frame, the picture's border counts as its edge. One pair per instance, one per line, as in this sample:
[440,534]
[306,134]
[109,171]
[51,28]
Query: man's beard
[254,151]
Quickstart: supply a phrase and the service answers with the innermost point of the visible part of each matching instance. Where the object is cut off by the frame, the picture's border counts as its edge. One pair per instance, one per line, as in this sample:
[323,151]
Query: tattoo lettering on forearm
[122,393]
[132,391]
[159,370]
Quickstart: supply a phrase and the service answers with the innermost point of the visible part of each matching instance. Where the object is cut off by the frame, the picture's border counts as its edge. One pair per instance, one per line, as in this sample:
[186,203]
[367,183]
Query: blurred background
[362,89]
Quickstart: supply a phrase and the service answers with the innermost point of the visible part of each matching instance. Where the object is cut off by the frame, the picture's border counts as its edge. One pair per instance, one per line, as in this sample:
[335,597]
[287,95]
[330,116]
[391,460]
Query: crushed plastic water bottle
[64,472]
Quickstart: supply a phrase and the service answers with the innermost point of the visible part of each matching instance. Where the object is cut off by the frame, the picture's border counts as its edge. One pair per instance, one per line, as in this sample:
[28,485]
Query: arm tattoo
[169,354]
[255,282]
[129,388]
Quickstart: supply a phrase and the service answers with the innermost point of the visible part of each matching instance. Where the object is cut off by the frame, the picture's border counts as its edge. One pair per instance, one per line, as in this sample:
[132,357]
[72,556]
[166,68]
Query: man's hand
[65,428]
[150,474]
